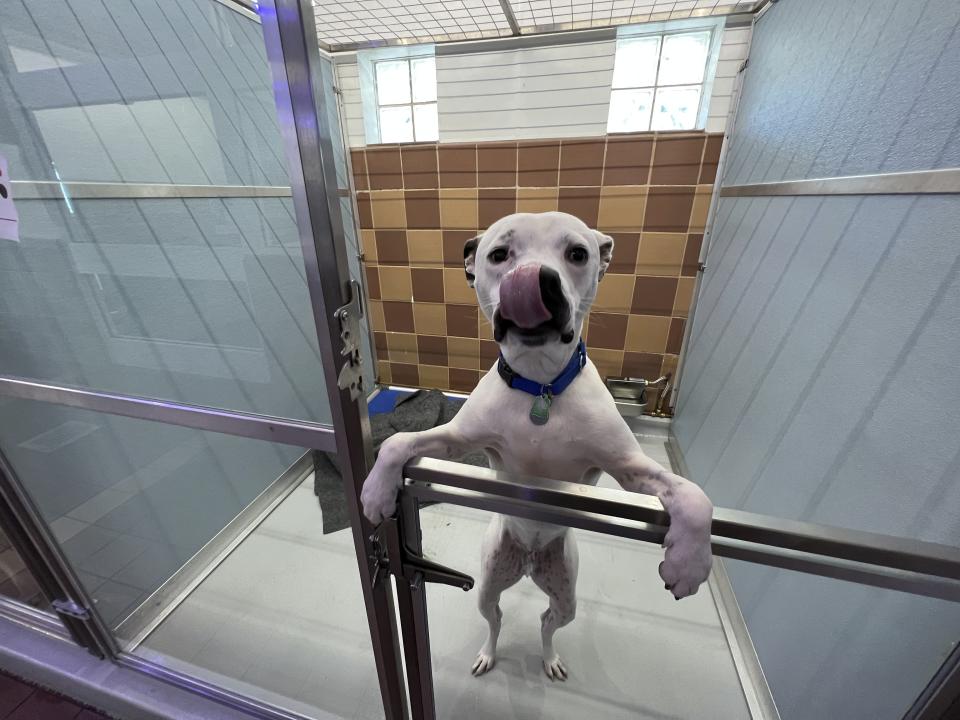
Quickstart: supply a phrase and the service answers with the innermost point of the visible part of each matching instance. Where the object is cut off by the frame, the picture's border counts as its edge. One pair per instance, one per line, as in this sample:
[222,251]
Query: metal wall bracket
[71,609]
[392,556]
[348,316]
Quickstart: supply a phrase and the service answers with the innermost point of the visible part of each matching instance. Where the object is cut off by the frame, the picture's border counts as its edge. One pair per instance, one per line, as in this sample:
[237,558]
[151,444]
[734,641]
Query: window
[406,92]
[660,80]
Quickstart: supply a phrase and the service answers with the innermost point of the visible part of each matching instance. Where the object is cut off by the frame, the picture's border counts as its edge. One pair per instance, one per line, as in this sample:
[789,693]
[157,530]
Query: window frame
[367,61]
[663,30]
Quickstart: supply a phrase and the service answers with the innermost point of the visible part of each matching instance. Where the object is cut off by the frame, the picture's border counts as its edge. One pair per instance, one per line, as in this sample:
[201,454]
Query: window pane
[629,110]
[393,82]
[684,58]
[676,108]
[426,122]
[424,71]
[396,124]
[636,62]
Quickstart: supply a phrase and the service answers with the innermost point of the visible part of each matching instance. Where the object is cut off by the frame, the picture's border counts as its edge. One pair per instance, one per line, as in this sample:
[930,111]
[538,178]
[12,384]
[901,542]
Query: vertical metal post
[293,52]
[412,602]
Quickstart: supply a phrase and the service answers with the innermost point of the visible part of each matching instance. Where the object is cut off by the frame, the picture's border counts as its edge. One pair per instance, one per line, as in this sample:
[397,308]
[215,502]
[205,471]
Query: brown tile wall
[420,203]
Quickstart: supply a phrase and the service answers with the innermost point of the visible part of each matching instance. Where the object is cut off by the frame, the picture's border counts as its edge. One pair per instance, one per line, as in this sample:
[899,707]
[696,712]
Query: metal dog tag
[540,412]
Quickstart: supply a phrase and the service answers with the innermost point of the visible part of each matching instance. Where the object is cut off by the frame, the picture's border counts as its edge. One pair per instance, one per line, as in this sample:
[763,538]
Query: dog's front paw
[379,495]
[554,668]
[687,561]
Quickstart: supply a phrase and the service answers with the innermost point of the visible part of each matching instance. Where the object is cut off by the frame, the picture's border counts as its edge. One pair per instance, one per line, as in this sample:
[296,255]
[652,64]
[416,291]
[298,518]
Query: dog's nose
[551,293]
[522,296]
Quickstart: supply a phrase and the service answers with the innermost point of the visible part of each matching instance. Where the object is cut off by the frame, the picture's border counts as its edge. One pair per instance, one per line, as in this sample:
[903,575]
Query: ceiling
[351,24]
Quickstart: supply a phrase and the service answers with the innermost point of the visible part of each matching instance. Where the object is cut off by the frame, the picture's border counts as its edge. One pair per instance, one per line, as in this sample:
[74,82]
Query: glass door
[181,403]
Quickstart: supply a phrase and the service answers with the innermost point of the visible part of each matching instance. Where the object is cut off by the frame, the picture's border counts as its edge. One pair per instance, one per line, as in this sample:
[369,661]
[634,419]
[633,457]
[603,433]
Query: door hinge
[743,66]
[391,556]
[701,267]
[71,609]
[348,316]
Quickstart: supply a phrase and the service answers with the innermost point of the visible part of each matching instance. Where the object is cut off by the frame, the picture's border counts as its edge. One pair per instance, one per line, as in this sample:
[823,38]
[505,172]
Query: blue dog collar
[560,383]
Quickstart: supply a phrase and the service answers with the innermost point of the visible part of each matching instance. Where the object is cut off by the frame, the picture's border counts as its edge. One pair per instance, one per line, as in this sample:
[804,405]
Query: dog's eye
[577,255]
[497,255]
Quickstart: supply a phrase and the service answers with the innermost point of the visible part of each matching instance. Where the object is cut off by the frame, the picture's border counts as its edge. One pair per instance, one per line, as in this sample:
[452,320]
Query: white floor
[282,619]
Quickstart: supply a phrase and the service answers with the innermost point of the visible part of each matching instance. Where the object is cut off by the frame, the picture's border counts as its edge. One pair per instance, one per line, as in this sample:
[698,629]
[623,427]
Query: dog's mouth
[535,336]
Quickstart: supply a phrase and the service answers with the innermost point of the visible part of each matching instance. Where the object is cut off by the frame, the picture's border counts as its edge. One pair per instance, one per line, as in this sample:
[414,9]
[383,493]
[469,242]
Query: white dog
[544,411]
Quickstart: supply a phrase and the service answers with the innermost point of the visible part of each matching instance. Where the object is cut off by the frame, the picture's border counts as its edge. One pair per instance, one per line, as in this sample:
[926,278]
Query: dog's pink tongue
[520,299]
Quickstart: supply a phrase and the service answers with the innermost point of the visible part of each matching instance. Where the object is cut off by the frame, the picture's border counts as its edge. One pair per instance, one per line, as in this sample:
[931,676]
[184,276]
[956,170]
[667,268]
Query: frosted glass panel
[684,58]
[396,124]
[629,110]
[424,74]
[676,108]
[426,121]
[636,62]
[393,82]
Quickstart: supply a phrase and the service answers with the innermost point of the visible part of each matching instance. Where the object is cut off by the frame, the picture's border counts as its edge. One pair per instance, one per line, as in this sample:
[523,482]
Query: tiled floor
[19,701]
[282,619]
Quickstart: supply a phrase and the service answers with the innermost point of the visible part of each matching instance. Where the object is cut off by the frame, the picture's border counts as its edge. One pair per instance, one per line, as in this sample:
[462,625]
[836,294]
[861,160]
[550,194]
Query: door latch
[391,556]
[350,377]
[71,609]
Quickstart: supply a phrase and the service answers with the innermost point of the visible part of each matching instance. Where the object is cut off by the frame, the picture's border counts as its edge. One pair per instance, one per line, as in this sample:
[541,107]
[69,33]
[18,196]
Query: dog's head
[536,276]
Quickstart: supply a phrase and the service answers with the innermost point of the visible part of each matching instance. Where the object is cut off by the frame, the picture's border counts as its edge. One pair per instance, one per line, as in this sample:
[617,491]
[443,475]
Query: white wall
[554,91]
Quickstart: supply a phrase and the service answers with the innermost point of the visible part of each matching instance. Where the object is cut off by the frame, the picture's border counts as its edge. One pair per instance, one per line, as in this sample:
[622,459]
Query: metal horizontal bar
[301,433]
[245,7]
[811,564]
[854,545]
[52,190]
[920,182]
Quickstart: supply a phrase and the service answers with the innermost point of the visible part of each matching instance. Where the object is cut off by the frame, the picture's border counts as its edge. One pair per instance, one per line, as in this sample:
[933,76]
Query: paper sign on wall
[8,213]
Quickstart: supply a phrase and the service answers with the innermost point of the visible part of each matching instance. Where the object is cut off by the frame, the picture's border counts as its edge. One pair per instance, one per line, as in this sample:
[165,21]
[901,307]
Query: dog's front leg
[379,493]
[688,558]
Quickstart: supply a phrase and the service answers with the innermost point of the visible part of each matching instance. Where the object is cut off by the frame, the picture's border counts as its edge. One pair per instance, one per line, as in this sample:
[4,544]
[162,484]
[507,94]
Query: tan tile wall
[420,203]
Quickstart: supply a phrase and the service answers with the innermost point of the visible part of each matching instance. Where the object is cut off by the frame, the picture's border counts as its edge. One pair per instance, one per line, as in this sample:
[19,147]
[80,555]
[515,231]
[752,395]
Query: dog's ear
[606,251]
[470,258]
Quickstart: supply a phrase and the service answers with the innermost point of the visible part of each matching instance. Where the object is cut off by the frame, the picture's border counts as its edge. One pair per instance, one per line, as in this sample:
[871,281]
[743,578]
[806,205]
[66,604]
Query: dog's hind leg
[555,572]
[503,561]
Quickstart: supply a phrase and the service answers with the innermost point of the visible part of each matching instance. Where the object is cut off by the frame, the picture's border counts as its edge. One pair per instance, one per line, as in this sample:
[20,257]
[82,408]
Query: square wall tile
[404,374]
[625,247]
[669,365]
[368,245]
[425,247]
[647,333]
[423,209]
[622,208]
[537,200]
[458,166]
[463,380]
[392,247]
[364,210]
[668,209]
[609,362]
[398,316]
[453,243]
[402,348]
[389,209]
[380,342]
[675,338]
[455,288]
[581,202]
[642,365]
[676,160]
[430,319]
[484,327]
[681,305]
[373,281]
[661,254]
[458,209]
[420,167]
[538,164]
[395,283]
[691,254]
[628,160]
[701,208]
[608,330]
[358,164]
[434,377]
[383,372]
[463,353]
[581,162]
[651,295]
[711,159]
[489,352]
[432,350]
[614,293]
[377,320]
[497,165]
[384,168]
[427,284]
[462,320]
[495,203]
